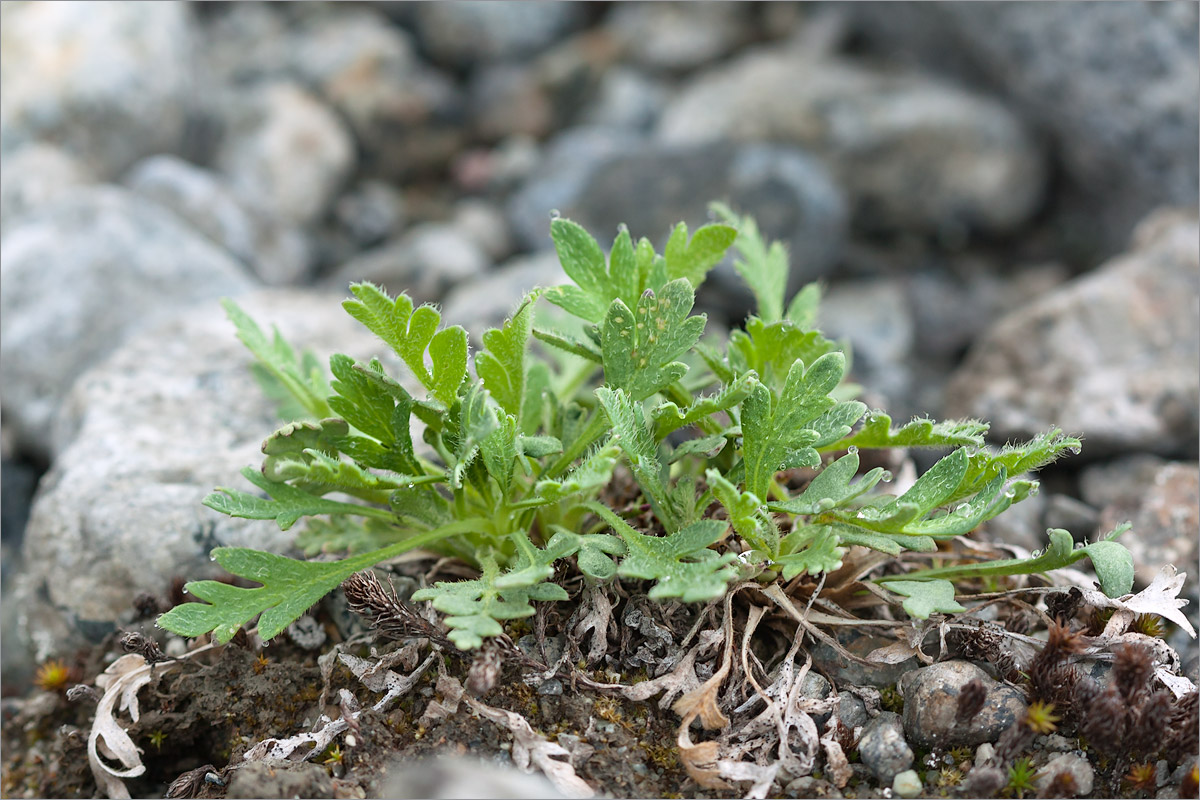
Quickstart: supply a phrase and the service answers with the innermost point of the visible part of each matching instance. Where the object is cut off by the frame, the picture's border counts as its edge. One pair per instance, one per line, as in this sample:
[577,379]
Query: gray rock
[1022,524]
[486,302]
[467,32]
[285,151]
[883,749]
[486,225]
[852,711]
[912,152]
[1077,766]
[1113,355]
[1161,499]
[276,252]
[931,700]
[280,779]
[651,187]
[143,437]
[808,786]
[683,38]
[877,319]
[424,262]
[1068,513]
[79,276]
[370,212]
[108,82]
[508,99]
[844,671]
[1122,107]
[625,98]
[36,176]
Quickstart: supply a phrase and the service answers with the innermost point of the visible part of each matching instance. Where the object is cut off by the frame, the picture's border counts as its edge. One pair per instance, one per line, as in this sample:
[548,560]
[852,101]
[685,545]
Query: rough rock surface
[466,32]
[142,439]
[36,176]
[882,747]
[109,82]
[286,151]
[914,152]
[79,276]
[931,701]
[1114,355]
[276,252]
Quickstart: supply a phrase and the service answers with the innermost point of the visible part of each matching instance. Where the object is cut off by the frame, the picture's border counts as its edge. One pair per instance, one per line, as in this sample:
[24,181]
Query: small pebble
[550,687]
[907,783]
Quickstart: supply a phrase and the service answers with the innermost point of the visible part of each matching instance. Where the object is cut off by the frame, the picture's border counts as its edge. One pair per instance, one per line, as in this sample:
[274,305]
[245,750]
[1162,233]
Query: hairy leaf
[681,563]
[770,349]
[410,333]
[501,364]
[764,268]
[926,597]
[810,549]
[640,346]
[693,259]
[286,504]
[772,431]
[593,472]
[297,385]
[668,417]
[877,432]
[832,488]
[744,514]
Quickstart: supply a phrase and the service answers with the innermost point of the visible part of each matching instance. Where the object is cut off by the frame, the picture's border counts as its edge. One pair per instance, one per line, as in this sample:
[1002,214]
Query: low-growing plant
[518,454]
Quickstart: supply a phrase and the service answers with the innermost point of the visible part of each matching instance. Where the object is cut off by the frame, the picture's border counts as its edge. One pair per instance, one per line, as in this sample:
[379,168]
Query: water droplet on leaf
[555,213]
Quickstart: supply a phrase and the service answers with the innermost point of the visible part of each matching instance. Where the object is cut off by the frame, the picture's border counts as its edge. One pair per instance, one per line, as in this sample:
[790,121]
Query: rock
[143,437]
[108,82]
[276,252]
[913,152]
[507,99]
[651,187]
[851,710]
[684,37]
[1068,513]
[1122,109]
[404,113]
[1022,524]
[285,151]
[931,699]
[883,749]
[79,276]
[18,480]
[625,98]
[35,176]
[470,31]
[875,316]
[808,786]
[486,225]
[370,212]
[424,262]
[1113,355]
[842,670]
[486,302]
[450,776]
[1160,498]
[907,784]
[1076,766]
[280,779]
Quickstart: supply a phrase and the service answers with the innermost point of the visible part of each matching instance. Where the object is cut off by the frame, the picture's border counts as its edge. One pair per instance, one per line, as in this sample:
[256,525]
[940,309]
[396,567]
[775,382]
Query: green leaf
[744,514]
[831,488]
[877,432]
[803,308]
[668,417]
[591,551]
[379,407]
[1060,552]
[287,503]
[681,563]
[592,474]
[501,364]
[475,608]
[569,344]
[410,333]
[813,549]
[705,447]
[630,433]
[763,268]
[926,597]
[470,422]
[693,260]
[770,349]
[289,588]
[773,430]
[499,450]
[317,469]
[639,347]
[1043,449]
[295,385]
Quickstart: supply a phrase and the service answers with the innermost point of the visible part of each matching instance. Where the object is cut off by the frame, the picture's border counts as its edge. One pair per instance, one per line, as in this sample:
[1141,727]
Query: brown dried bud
[81,691]
[1132,670]
[970,702]
[485,670]
[985,782]
[1061,785]
[147,648]
[190,783]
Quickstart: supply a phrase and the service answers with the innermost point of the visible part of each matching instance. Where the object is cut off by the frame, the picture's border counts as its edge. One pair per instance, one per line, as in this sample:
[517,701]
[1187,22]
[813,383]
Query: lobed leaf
[501,364]
[877,432]
[764,268]
[286,505]
[298,386]
[926,597]
[693,259]
[639,346]
[831,488]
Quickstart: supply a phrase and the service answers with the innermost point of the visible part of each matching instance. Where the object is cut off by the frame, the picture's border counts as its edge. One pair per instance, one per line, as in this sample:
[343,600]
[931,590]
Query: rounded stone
[883,748]
[907,783]
[931,703]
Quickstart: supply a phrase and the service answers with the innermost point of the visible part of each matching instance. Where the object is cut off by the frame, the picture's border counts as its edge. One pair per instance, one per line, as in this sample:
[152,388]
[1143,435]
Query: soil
[202,717]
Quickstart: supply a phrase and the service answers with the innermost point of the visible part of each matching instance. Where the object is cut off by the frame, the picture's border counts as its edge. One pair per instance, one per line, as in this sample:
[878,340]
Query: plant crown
[517,455]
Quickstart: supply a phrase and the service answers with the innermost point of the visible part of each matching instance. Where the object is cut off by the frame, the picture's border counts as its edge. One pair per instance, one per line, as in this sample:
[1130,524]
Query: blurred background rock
[1000,198]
